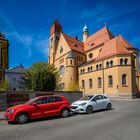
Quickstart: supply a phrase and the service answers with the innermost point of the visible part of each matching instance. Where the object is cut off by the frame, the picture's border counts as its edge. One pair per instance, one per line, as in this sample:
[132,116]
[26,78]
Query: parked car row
[52,105]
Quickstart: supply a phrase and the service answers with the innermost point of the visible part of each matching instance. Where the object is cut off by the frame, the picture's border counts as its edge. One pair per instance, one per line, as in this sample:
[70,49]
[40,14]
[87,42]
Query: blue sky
[26,23]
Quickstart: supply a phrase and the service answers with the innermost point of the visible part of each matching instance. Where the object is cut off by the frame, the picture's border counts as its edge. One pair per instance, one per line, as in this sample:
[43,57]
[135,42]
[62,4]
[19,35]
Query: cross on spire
[105,23]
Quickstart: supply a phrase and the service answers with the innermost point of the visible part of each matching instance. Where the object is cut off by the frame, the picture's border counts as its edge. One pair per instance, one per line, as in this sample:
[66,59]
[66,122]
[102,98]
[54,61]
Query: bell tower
[85,33]
[55,31]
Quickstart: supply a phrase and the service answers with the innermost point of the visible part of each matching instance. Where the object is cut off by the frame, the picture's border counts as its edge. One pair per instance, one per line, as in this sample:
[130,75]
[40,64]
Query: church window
[125,61]
[124,81]
[71,62]
[97,67]
[62,70]
[90,83]
[99,82]
[111,63]
[100,66]
[91,68]
[83,84]
[121,61]
[57,38]
[110,80]
[77,57]
[88,69]
[83,70]
[92,44]
[90,55]
[61,49]
[107,64]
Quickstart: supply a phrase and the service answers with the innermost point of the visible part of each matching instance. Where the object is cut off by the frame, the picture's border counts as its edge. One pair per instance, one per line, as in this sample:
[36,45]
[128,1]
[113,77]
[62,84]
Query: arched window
[124,80]
[91,68]
[62,70]
[99,82]
[71,62]
[96,67]
[100,66]
[90,83]
[83,84]
[110,80]
[62,85]
[61,49]
[88,69]
[90,55]
[81,71]
[107,64]
[121,61]
[111,63]
[125,61]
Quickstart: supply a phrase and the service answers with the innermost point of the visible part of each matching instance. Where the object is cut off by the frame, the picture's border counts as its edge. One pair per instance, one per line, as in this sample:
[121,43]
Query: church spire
[85,33]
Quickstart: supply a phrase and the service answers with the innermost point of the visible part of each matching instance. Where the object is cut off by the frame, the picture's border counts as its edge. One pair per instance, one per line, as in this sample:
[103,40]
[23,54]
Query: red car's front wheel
[22,118]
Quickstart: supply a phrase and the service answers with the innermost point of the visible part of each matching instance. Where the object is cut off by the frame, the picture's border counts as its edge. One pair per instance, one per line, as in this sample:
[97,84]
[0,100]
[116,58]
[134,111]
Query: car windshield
[86,97]
[31,101]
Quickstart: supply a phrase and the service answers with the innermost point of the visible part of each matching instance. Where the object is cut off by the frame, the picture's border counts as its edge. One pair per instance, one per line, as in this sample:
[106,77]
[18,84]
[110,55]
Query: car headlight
[82,104]
[10,111]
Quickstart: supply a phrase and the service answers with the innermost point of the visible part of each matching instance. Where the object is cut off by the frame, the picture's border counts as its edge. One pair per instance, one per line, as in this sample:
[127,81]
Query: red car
[42,106]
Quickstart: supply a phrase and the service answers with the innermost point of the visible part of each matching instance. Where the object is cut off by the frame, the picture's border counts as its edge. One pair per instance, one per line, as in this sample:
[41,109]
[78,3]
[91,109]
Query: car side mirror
[34,104]
[94,100]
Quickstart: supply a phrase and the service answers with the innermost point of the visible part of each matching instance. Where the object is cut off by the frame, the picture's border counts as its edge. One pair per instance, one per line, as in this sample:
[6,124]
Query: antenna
[105,23]
[56,15]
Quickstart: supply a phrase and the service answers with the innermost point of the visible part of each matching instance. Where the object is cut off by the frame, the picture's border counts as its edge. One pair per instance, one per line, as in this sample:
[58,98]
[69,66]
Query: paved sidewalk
[2,115]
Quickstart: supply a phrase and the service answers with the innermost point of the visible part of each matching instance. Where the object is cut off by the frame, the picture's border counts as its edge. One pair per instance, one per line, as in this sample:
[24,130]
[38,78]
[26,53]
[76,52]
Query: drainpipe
[103,76]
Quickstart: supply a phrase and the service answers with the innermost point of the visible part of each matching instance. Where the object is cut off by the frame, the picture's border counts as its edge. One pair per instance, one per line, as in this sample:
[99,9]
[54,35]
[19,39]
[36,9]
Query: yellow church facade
[4,62]
[101,63]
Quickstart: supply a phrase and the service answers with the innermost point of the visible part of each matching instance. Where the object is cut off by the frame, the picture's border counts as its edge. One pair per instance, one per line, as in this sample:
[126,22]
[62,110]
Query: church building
[100,63]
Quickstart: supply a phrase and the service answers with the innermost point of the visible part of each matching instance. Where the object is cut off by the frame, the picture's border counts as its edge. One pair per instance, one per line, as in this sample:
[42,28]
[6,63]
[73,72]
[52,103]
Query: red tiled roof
[125,43]
[56,27]
[112,47]
[18,69]
[74,44]
[98,38]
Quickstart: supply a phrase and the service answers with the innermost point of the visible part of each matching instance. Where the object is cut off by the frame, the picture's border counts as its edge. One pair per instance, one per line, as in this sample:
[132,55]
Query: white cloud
[29,41]
[104,11]
[43,46]
[23,39]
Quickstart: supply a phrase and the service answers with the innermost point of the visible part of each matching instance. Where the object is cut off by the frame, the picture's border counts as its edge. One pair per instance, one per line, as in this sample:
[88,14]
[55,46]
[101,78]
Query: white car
[90,103]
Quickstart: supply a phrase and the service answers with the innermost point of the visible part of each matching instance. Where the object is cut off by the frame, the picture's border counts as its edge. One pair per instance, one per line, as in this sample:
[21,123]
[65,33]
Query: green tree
[4,86]
[41,76]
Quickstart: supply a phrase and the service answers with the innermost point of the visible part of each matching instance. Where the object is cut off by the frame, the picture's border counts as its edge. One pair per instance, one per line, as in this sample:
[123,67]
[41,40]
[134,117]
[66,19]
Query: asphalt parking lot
[120,123]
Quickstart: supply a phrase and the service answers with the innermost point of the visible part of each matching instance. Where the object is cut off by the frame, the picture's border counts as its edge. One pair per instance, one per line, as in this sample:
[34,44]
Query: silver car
[90,103]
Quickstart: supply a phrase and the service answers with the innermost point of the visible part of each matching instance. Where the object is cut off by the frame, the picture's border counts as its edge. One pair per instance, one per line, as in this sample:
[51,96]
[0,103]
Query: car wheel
[65,113]
[22,118]
[108,106]
[89,109]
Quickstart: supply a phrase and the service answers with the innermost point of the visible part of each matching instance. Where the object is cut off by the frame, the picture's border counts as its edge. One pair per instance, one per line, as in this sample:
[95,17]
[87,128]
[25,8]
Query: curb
[133,100]
[1,119]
